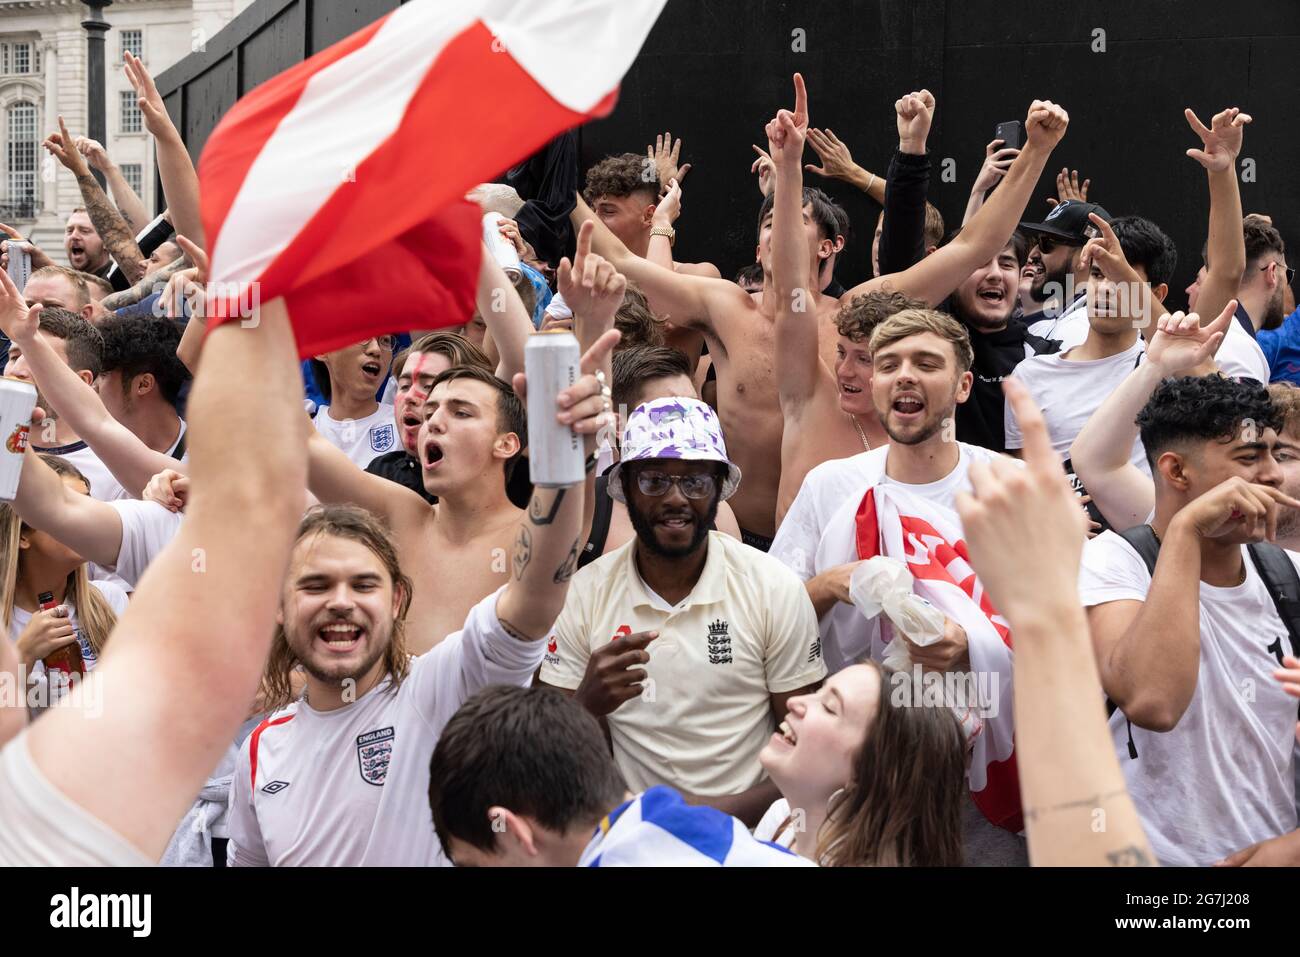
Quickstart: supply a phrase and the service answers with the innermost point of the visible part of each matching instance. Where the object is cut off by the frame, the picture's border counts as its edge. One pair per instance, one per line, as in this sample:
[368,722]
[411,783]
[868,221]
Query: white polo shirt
[746,631]
[351,786]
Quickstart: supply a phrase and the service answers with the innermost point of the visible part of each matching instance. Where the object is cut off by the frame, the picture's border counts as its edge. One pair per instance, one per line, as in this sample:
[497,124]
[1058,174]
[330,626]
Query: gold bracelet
[666,231]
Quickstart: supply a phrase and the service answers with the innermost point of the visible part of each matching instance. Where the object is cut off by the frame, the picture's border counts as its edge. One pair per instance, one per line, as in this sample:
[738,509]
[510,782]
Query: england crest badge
[382,437]
[374,751]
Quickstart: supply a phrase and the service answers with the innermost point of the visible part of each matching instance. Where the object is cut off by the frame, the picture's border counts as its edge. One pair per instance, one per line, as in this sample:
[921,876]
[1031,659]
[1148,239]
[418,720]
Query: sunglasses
[1047,244]
[656,484]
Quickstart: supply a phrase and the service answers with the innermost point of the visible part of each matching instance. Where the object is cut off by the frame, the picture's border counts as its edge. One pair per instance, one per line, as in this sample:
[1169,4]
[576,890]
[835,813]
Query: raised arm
[91,528]
[112,228]
[837,163]
[937,275]
[684,300]
[545,554]
[334,478]
[996,163]
[185,659]
[131,461]
[1225,249]
[128,203]
[156,282]
[1025,532]
[503,312]
[798,361]
[902,236]
[180,182]
[1122,492]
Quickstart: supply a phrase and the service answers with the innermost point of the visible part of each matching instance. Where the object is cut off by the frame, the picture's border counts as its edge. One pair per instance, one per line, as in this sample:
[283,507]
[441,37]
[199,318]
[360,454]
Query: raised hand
[156,120]
[1045,124]
[187,285]
[1236,512]
[18,321]
[12,235]
[63,146]
[94,152]
[1068,187]
[837,161]
[664,156]
[915,112]
[996,163]
[765,169]
[1023,526]
[787,131]
[591,287]
[1222,140]
[1181,343]
[670,206]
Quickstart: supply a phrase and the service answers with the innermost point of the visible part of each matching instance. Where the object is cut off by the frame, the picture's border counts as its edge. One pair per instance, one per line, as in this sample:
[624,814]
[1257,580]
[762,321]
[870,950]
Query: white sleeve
[245,848]
[114,595]
[480,654]
[792,656]
[147,527]
[1111,571]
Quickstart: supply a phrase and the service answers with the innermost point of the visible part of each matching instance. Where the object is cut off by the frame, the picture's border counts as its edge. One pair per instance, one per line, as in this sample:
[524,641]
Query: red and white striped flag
[339,184]
[890,521]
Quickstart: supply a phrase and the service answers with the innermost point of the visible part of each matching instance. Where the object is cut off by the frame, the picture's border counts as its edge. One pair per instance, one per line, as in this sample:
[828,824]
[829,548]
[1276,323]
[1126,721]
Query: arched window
[21,151]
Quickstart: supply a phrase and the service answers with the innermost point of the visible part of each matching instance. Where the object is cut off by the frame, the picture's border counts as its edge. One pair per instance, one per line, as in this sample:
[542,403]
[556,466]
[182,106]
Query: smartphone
[20,263]
[1011,133]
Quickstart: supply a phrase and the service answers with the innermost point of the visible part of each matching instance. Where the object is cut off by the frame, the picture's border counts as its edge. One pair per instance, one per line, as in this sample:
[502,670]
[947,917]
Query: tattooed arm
[145,287]
[128,203]
[550,533]
[112,228]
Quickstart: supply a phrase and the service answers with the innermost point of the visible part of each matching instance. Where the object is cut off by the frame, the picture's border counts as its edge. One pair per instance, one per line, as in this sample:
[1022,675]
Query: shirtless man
[624,192]
[458,551]
[740,328]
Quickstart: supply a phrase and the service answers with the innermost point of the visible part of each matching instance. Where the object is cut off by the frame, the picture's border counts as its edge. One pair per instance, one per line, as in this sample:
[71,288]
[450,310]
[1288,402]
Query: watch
[667,231]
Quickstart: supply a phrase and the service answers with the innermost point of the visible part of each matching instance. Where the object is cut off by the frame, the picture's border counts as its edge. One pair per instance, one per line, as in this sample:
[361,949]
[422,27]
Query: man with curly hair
[1189,651]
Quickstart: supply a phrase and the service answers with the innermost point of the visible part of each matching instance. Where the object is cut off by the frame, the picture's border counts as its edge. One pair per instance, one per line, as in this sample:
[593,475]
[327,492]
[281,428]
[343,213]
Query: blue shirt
[1282,349]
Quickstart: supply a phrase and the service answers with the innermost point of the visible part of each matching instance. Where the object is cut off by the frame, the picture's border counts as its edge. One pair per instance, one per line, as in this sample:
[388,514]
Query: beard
[375,648]
[926,431]
[1273,312]
[1049,282]
[645,530]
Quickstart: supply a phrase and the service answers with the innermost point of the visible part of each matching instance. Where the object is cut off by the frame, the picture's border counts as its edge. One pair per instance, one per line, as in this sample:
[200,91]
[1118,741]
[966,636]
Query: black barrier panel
[714,71]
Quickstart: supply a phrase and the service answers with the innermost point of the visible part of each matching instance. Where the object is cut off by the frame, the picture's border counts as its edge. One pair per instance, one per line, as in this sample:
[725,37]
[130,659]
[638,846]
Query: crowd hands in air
[362,636]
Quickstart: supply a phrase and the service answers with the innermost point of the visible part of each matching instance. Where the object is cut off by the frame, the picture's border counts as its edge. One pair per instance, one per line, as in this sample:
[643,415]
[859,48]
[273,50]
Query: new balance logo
[275,787]
[815,651]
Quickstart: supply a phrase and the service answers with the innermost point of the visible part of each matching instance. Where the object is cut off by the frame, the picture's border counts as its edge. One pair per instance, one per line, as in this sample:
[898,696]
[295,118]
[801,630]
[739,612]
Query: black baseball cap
[1069,222]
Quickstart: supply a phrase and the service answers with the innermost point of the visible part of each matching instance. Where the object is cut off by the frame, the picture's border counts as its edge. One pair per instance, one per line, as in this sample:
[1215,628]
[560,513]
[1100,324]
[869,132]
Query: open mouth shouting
[908,406]
[340,637]
[993,295]
[432,457]
[372,370]
[76,253]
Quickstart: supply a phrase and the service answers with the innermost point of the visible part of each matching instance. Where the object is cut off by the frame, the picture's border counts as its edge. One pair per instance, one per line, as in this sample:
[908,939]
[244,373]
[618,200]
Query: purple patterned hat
[675,428]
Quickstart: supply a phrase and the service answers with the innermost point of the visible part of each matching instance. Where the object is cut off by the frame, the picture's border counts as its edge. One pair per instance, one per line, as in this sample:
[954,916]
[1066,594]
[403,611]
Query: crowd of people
[985,560]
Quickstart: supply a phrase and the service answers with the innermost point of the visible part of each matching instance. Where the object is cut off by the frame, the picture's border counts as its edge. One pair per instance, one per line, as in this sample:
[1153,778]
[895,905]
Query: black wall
[714,71]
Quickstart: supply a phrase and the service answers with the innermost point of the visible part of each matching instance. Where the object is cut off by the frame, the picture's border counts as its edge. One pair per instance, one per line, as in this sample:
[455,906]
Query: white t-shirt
[1240,356]
[1070,328]
[1223,778]
[351,786]
[746,631]
[103,485]
[1069,392]
[147,527]
[43,827]
[825,491]
[773,818]
[360,439]
[19,619]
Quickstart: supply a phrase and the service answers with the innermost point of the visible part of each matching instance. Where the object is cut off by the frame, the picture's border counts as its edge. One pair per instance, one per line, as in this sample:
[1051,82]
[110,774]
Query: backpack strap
[600,519]
[1279,574]
[1144,542]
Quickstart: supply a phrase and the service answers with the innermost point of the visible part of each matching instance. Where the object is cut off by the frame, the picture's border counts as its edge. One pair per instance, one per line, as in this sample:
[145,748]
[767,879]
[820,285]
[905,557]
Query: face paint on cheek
[417,393]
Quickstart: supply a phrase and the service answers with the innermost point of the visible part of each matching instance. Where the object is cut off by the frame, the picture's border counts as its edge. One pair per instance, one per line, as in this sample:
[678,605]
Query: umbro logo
[275,787]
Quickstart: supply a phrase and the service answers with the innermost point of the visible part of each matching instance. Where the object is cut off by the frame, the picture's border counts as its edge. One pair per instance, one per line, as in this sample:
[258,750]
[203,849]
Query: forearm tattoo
[111,227]
[570,565]
[535,508]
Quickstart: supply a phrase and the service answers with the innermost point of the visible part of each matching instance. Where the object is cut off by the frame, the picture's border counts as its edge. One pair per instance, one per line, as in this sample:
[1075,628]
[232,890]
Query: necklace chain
[862,435]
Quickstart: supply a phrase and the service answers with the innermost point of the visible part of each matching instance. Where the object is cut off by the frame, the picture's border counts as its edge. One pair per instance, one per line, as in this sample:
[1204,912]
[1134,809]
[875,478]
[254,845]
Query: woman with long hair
[33,562]
[866,779]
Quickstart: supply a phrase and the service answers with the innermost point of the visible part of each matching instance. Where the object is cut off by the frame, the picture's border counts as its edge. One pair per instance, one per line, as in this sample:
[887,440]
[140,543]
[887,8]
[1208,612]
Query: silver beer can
[555,451]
